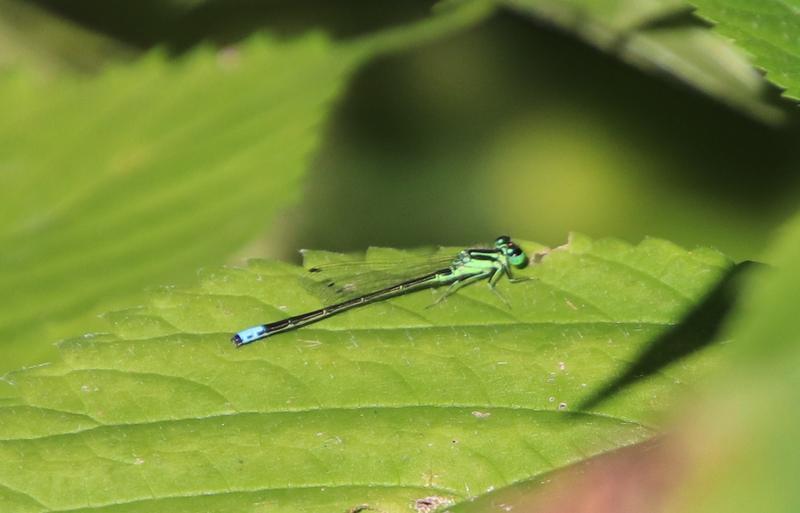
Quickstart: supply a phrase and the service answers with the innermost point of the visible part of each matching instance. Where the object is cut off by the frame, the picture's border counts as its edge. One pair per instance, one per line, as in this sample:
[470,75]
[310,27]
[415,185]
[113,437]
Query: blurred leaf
[660,36]
[632,479]
[767,29]
[390,408]
[743,434]
[180,25]
[30,37]
[604,20]
[143,173]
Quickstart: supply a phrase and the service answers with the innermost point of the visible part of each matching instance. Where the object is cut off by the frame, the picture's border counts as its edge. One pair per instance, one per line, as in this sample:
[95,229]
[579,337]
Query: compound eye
[516,256]
[502,241]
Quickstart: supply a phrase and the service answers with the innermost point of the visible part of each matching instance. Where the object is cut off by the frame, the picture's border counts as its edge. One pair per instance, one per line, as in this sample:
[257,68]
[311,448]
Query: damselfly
[469,266]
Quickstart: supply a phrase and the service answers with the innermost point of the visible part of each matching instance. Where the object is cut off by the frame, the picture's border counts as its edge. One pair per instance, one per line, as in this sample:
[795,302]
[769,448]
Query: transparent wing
[336,277]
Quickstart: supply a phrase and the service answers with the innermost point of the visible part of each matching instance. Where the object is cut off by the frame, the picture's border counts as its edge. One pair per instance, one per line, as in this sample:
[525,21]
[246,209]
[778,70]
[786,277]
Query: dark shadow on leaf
[698,329]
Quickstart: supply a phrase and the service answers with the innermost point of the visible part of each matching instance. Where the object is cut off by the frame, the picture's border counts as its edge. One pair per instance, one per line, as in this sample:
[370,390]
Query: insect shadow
[698,329]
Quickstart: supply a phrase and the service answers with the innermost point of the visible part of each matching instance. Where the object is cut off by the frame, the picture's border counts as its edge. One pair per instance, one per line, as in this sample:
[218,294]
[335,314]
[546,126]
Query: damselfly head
[516,256]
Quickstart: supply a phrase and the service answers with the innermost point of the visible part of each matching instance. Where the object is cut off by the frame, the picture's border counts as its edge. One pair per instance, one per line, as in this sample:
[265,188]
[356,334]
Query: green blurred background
[535,118]
[513,125]
[520,128]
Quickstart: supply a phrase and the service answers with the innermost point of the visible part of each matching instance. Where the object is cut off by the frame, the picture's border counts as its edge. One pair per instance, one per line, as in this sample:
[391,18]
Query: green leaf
[138,176]
[380,407]
[659,36]
[765,29]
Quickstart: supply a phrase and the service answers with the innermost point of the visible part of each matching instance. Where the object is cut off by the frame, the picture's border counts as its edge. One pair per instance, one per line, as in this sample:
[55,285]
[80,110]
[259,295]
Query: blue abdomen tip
[249,335]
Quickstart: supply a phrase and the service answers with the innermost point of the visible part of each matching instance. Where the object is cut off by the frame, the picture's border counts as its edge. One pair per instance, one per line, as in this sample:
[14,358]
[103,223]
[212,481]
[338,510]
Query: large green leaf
[145,172]
[391,406]
[767,30]
[658,36]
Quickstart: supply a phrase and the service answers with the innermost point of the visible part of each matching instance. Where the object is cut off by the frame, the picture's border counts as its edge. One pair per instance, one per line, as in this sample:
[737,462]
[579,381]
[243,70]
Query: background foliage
[142,142]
